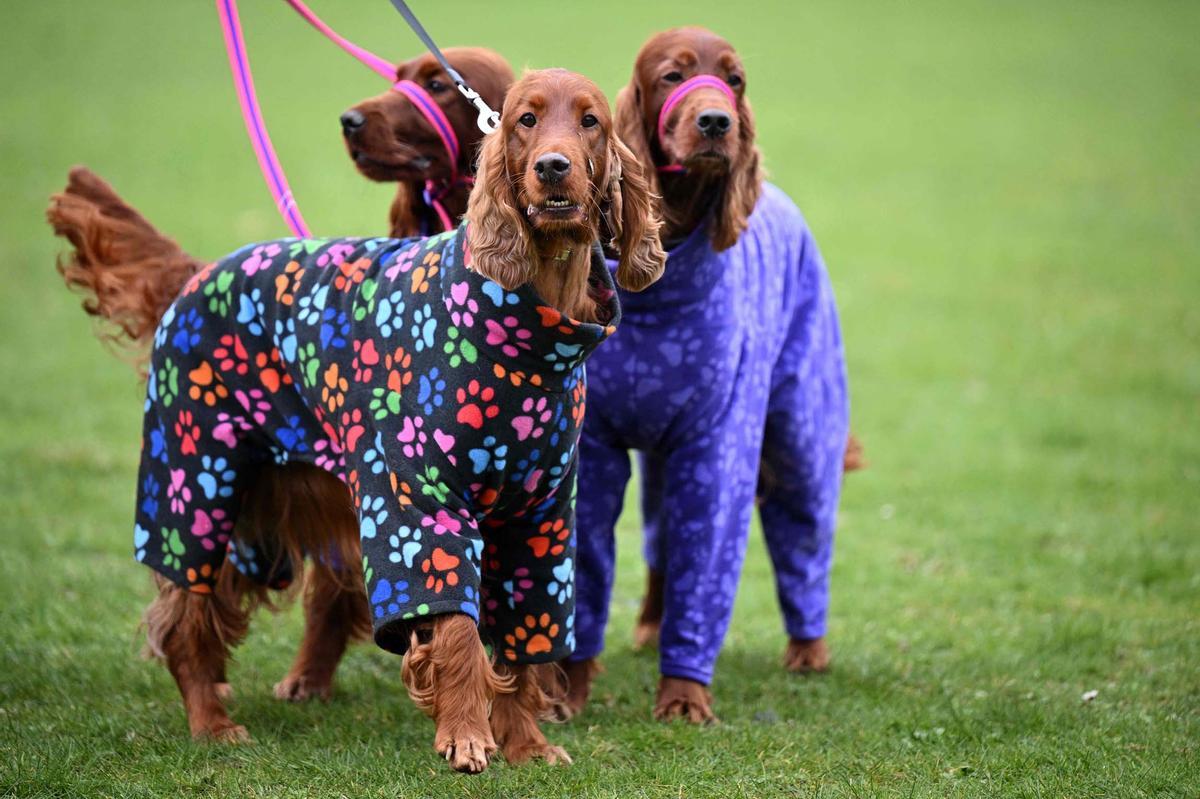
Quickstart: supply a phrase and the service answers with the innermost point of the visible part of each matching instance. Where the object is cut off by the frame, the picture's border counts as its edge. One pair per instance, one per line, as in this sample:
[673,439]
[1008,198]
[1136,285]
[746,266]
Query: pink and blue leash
[260,139]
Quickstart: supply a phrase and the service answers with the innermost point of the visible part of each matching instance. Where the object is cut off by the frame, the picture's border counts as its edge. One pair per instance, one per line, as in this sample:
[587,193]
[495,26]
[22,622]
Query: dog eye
[734,81]
[435,85]
[673,77]
[589,121]
[528,120]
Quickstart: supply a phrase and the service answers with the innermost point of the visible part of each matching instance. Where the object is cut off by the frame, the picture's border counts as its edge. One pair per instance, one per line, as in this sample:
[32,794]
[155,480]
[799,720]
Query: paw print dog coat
[450,406]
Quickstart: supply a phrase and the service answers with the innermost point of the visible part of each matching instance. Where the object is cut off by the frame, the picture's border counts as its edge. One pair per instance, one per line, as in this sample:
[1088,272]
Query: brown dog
[703,178]
[548,180]
[389,140]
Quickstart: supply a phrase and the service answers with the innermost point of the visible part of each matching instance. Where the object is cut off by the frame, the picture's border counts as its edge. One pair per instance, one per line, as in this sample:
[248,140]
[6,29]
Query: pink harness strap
[256,127]
[682,90]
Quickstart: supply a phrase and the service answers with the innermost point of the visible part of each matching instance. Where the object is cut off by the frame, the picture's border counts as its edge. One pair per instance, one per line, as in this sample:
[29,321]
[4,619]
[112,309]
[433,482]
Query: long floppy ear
[743,187]
[642,258]
[499,242]
[402,216]
[630,127]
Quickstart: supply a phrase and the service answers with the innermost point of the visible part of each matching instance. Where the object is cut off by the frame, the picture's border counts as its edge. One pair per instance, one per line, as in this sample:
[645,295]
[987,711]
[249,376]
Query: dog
[733,358]
[440,380]
[390,139]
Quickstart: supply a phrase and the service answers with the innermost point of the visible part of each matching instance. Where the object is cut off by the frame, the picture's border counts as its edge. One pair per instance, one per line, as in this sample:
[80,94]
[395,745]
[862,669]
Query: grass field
[1007,196]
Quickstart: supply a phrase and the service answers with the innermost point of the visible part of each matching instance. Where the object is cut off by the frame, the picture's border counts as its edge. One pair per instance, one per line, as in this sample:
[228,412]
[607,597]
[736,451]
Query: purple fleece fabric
[730,357]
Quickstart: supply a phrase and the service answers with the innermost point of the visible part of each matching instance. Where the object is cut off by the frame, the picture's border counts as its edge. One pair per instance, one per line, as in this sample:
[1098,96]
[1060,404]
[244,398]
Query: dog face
[704,128]
[557,132]
[390,140]
[706,132]
[551,172]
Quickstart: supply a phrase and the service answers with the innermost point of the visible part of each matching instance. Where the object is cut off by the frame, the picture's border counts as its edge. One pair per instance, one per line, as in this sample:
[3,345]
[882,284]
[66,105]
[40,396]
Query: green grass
[1007,196]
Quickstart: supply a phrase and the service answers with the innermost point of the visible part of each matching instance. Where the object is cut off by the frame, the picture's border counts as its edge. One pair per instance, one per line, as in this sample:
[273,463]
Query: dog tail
[127,272]
[855,458]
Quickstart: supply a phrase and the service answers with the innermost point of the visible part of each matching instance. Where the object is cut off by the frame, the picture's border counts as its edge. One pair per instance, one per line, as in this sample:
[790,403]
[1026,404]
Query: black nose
[352,120]
[714,123]
[552,167]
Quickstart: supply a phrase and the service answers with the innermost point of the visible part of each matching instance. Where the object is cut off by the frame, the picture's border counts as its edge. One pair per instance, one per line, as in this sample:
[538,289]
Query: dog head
[389,139]
[550,174]
[685,108]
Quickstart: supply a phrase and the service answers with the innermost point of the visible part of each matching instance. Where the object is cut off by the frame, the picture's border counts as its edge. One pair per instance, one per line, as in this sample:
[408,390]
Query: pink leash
[674,98]
[256,127]
[268,162]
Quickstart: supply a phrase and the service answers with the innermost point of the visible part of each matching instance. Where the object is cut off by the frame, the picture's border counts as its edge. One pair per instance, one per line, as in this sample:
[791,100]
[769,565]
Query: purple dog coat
[730,357]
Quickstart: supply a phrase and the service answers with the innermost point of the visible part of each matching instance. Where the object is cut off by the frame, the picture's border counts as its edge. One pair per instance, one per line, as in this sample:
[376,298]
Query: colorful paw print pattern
[731,359]
[378,360]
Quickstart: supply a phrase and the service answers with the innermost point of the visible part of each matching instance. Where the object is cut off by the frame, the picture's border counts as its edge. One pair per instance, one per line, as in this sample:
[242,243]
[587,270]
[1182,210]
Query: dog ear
[641,255]
[630,126]
[743,187]
[402,216]
[500,248]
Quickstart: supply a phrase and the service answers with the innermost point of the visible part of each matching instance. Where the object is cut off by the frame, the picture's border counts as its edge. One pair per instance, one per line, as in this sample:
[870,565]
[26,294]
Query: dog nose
[352,120]
[552,167]
[714,123]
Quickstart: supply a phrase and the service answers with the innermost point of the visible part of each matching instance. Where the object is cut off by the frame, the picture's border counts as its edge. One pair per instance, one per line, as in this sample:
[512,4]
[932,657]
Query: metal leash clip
[489,120]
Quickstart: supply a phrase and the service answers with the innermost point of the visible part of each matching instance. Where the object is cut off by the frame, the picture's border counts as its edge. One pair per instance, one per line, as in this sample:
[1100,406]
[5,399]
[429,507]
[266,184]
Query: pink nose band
[682,90]
[433,114]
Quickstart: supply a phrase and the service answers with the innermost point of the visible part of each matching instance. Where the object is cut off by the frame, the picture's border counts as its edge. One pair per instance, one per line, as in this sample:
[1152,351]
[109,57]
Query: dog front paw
[806,656]
[685,699]
[469,752]
[222,732]
[302,687]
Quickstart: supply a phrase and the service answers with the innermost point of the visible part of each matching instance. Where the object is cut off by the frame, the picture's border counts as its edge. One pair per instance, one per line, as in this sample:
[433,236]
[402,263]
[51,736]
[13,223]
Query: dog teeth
[558,203]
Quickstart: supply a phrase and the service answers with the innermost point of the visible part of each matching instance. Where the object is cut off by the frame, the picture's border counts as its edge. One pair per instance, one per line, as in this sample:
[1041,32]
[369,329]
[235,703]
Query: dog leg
[806,656]
[193,633]
[515,715]
[649,621]
[686,699]
[578,675]
[333,614]
[448,675]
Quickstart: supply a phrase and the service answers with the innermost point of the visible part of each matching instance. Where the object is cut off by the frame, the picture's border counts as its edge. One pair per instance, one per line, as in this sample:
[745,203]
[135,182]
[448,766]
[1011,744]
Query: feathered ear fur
[642,257]
[630,127]
[743,187]
[500,248]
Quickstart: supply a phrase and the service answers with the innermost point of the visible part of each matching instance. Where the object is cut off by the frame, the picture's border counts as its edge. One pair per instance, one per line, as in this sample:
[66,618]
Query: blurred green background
[1007,196]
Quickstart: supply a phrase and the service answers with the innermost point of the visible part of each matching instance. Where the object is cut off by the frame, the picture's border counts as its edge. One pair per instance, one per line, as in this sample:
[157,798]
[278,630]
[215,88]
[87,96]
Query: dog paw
[806,656]
[554,755]
[301,688]
[579,676]
[684,699]
[645,635]
[223,733]
[466,752]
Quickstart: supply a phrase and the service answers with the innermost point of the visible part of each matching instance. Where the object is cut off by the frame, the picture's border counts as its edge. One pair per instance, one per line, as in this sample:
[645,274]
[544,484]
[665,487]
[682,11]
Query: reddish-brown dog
[549,181]
[701,179]
[390,141]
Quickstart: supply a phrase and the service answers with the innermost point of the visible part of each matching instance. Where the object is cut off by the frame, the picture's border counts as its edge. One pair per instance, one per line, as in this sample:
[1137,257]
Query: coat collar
[525,338]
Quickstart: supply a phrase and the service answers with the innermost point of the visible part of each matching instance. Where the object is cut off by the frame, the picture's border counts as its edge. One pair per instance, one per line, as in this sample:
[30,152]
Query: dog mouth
[555,207]
[707,159]
[417,163]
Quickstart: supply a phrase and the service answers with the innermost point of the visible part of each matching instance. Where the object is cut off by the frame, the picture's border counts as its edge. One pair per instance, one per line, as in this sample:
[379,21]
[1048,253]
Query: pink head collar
[688,86]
